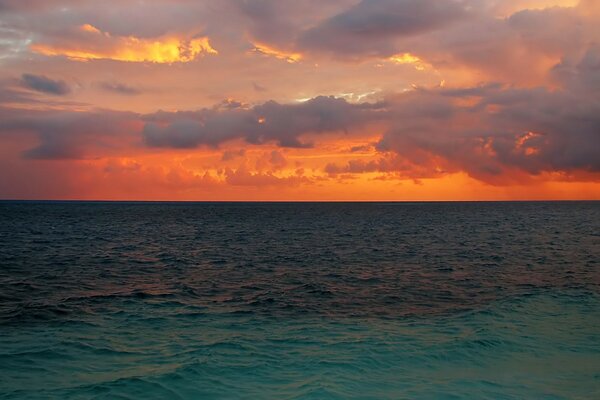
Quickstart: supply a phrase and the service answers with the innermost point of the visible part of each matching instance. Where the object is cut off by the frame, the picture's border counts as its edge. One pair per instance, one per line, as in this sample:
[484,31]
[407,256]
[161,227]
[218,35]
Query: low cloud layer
[487,131]
[64,135]
[268,122]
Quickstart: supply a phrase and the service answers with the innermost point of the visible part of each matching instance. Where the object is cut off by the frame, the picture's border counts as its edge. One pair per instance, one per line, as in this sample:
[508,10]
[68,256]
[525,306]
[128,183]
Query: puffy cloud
[279,23]
[89,133]
[519,47]
[243,177]
[535,111]
[232,155]
[488,131]
[581,73]
[277,159]
[268,122]
[492,131]
[44,84]
[372,27]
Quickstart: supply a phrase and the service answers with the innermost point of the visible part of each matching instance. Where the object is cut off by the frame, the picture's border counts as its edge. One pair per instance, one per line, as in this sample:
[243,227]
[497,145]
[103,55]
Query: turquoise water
[300,301]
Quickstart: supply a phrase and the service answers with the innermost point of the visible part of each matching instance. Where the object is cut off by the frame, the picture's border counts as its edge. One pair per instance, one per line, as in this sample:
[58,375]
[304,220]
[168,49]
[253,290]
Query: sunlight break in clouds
[103,46]
[344,99]
[282,55]
[407,58]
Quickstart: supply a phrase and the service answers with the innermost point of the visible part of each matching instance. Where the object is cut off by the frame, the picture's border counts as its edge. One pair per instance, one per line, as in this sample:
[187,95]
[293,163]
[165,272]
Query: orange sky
[260,100]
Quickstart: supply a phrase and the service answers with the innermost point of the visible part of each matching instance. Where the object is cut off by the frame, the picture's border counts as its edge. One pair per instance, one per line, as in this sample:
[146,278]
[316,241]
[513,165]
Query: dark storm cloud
[44,84]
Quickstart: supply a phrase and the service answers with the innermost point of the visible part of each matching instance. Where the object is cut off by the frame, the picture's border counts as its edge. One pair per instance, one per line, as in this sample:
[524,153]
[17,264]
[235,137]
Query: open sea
[299,300]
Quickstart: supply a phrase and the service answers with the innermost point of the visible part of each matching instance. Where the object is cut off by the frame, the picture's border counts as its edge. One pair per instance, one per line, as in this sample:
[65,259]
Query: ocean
[117,300]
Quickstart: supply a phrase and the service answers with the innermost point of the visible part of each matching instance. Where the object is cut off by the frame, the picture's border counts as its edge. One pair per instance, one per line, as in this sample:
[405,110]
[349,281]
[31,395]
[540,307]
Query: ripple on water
[491,300]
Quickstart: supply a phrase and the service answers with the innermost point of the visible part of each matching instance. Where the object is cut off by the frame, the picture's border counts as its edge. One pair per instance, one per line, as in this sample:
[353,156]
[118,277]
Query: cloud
[70,134]
[232,155]
[19,5]
[119,88]
[489,131]
[44,84]
[278,23]
[493,131]
[87,42]
[581,73]
[92,133]
[277,159]
[243,177]
[283,124]
[266,50]
[371,27]
[519,49]
[361,148]
[452,37]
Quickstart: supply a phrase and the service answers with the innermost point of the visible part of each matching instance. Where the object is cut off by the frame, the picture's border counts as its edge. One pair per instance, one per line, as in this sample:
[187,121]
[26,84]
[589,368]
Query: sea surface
[299,300]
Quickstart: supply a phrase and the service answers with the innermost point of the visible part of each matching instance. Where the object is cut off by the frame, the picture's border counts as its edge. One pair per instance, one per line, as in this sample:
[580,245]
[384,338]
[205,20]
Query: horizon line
[293,201]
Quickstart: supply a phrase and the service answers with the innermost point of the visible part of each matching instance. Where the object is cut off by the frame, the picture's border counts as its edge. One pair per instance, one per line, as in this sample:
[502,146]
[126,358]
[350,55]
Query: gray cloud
[119,88]
[428,132]
[18,5]
[271,121]
[243,177]
[499,130]
[372,27]
[68,134]
[487,131]
[279,23]
[44,84]
[232,155]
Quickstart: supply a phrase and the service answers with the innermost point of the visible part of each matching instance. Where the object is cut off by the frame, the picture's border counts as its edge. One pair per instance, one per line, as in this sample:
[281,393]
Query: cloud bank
[351,92]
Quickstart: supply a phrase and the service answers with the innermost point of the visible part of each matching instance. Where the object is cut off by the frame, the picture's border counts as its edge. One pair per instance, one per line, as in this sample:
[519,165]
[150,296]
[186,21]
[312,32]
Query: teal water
[300,301]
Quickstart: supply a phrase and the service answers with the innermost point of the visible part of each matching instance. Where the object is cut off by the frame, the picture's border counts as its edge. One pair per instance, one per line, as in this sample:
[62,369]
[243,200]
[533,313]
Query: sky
[300,100]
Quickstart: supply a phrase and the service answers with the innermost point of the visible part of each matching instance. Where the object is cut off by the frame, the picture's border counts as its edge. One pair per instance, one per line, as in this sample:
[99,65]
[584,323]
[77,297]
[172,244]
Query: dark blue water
[300,301]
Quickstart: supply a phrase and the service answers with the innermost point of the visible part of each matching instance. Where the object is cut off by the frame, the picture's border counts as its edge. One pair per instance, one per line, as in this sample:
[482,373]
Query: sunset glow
[130,48]
[353,100]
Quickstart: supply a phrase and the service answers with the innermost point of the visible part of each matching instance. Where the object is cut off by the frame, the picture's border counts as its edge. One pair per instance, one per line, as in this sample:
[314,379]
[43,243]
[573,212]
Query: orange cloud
[102,46]
[506,8]
[407,58]
[273,52]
